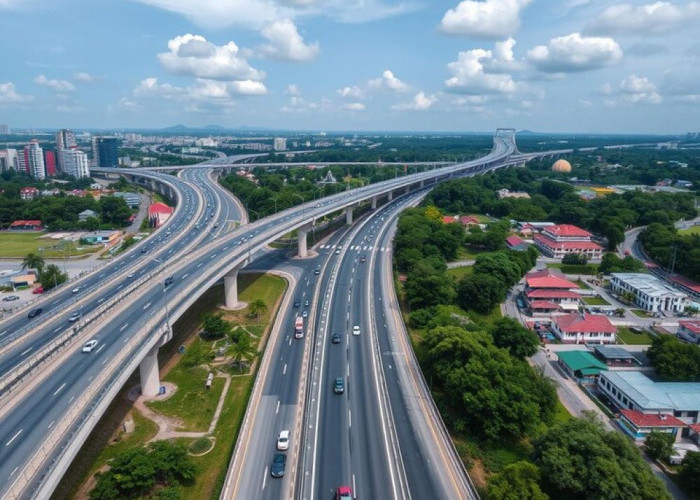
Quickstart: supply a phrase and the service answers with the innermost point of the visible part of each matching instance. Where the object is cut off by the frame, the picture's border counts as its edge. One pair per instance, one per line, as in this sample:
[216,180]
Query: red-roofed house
[516,243]
[543,307]
[688,286]
[549,279]
[468,220]
[28,193]
[158,213]
[639,425]
[577,328]
[26,225]
[449,219]
[564,299]
[560,240]
[689,331]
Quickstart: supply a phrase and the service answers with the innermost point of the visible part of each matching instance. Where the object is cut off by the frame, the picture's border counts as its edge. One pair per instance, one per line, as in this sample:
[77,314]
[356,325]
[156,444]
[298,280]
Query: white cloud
[298,104]
[55,85]
[420,102]
[638,89]
[389,81]
[292,89]
[202,91]
[83,77]
[9,95]
[574,52]
[247,87]
[470,76]
[354,106]
[643,20]
[353,92]
[487,19]
[195,56]
[285,43]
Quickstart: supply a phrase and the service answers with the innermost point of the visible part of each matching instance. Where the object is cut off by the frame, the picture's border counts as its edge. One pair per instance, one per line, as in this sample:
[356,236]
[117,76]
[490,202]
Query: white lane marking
[126,339]
[56,329]
[278,406]
[353,483]
[71,399]
[185,276]
[91,378]
[26,351]
[13,471]
[105,360]
[59,389]
[99,349]
[350,424]
[284,370]
[3,333]
[51,424]
[264,478]
[14,437]
[120,287]
[200,264]
[123,327]
[146,306]
[101,300]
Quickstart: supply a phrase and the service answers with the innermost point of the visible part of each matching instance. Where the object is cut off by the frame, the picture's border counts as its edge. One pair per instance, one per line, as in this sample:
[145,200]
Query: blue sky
[386,65]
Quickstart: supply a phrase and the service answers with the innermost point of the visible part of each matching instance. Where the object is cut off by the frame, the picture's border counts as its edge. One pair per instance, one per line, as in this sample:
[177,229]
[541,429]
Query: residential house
[28,193]
[689,331]
[584,328]
[86,214]
[468,220]
[613,355]
[560,240]
[516,243]
[581,365]
[26,225]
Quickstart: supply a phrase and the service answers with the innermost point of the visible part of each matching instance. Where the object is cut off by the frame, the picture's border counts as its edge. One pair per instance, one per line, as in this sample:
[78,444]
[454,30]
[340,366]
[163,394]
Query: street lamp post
[165,295]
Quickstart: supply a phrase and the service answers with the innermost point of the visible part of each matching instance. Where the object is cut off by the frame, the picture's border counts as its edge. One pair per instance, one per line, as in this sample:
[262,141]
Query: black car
[34,312]
[279,462]
[317,272]
[168,280]
[363,258]
[336,338]
[297,303]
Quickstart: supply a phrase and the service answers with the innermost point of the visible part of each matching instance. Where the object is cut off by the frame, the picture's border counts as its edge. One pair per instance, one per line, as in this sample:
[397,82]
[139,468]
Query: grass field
[641,313]
[583,285]
[596,301]
[587,269]
[460,272]
[625,335]
[18,245]
[690,230]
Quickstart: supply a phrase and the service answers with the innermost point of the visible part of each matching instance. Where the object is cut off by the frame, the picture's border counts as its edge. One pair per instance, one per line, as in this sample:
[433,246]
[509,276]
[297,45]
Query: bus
[299,328]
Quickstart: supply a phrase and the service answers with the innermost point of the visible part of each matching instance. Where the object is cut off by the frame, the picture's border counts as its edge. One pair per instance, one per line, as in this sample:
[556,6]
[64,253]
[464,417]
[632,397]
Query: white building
[206,143]
[75,163]
[35,158]
[279,144]
[650,293]
[576,328]
[65,139]
[9,159]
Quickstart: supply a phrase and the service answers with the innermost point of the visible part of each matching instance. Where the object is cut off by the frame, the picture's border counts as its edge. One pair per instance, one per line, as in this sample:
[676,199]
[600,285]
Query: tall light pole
[165,295]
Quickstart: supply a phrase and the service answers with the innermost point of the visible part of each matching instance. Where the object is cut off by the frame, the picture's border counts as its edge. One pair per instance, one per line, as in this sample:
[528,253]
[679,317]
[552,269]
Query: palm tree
[257,307]
[243,351]
[52,276]
[33,261]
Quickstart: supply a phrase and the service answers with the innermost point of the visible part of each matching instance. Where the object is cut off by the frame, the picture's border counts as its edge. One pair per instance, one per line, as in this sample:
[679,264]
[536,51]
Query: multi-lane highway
[124,332]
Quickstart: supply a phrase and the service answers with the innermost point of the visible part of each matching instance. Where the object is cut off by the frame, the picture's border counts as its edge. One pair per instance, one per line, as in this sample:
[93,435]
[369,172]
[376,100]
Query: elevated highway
[44,430]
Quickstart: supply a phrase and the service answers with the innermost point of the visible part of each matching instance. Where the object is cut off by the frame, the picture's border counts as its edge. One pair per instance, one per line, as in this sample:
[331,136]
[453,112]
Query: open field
[596,301]
[690,230]
[18,245]
[460,272]
[625,335]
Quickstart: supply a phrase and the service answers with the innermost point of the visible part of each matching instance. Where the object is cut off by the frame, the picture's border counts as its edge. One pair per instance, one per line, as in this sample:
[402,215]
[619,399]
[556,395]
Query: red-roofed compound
[689,330]
[158,213]
[639,424]
[28,193]
[516,243]
[558,241]
[27,225]
[577,328]
[547,279]
[449,219]
[468,220]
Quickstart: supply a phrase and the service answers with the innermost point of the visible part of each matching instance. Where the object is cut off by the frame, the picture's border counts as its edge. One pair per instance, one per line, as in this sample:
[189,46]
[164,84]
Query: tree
[196,354]
[52,276]
[691,310]
[511,335]
[33,261]
[480,292]
[427,284]
[659,445]
[243,352]
[675,360]
[580,460]
[215,326]
[500,265]
[257,307]
[575,259]
[114,210]
[518,481]
[689,475]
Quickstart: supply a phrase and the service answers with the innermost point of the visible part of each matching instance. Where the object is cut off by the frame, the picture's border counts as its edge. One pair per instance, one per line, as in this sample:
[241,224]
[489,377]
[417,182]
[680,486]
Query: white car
[356,330]
[76,289]
[90,345]
[283,440]
[74,317]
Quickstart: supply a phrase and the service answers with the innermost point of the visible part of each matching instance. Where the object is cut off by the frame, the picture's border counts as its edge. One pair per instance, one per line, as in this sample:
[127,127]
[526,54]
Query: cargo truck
[299,328]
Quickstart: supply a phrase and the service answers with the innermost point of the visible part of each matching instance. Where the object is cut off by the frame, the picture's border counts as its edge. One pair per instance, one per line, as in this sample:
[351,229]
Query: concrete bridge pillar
[302,246]
[348,216]
[150,379]
[231,288]
[408,189]
[422,184]
[391,195]
[374,202]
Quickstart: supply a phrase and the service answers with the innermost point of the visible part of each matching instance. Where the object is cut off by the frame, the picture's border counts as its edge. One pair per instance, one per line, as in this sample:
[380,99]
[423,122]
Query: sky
[586,66]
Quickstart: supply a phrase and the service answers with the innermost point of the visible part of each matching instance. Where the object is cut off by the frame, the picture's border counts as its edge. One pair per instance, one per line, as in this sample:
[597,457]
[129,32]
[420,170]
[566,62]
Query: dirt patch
[478,474]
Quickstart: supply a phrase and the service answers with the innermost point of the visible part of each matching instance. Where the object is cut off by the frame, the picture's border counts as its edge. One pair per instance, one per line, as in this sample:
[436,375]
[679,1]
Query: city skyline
[584,66]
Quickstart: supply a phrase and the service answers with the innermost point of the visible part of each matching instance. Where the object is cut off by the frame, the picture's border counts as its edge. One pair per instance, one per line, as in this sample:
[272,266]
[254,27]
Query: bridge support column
[408,189]
[348,216]
[302,233]
[374,203]
[231,289]
[391,195]
[150,379]
[422,184]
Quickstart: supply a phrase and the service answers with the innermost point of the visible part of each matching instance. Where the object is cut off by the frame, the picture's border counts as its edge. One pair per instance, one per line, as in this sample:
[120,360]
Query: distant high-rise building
[50,163]
[65,139]
[279,144]
[104,152]
[75,162]
[5,129]
[34,160]
[9,159]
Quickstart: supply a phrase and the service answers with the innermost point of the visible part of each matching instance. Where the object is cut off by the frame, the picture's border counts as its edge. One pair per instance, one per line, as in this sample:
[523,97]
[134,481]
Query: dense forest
[659,242]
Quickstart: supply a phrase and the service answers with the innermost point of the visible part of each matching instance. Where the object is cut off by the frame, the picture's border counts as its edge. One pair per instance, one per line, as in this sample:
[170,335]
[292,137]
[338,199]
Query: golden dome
[561,166]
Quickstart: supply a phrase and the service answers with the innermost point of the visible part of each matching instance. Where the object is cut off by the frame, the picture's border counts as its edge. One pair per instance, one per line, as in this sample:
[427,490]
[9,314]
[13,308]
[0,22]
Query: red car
[343,493]
[38,290]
